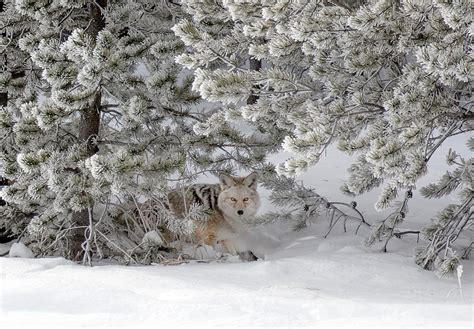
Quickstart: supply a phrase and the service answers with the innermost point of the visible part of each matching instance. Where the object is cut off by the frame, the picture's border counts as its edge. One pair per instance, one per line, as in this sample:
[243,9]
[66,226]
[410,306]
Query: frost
[387,82]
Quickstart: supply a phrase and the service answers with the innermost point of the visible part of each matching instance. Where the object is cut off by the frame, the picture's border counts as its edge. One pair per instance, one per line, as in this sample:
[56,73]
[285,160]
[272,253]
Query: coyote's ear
[251,180]
[226,181]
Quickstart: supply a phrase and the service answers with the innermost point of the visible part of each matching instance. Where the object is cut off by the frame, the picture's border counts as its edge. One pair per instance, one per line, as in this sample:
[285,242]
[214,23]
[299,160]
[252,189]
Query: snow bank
[305,280]
[308,281]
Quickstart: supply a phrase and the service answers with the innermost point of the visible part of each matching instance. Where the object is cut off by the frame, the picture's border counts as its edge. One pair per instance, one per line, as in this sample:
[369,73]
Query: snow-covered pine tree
[4,232]
[18,81]
[451,222]
[216,42]
[389,82]
[112,123]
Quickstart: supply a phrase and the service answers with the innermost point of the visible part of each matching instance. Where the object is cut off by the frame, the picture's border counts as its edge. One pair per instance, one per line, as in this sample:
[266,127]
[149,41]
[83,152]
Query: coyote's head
[239,197]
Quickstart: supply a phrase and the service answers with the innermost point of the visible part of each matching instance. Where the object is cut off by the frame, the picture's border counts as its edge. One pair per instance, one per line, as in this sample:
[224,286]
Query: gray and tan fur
[231,202]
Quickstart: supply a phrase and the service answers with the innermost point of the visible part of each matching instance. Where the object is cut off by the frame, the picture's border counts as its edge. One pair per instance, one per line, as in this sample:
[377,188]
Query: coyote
[232,201]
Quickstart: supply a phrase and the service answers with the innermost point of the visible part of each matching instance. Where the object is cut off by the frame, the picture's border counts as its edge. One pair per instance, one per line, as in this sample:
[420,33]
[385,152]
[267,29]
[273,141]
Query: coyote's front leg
[227,247]
[230,247]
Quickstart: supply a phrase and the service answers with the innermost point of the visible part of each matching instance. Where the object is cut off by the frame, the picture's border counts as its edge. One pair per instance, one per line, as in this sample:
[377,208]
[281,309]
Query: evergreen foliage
[389,81]
[106,106]
[102,120]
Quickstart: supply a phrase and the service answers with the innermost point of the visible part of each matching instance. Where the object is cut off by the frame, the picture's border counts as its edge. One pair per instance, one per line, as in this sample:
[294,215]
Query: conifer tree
[3,181]
[388,82]
[17,81]
[105,121]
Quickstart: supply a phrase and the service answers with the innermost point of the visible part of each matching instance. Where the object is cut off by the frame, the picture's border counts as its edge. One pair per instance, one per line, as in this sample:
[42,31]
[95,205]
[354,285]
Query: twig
[89,235]
[116,246]
[399,234]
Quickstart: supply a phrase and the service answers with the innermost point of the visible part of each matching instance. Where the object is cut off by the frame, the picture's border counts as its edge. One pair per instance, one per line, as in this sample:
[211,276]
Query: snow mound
[18,249]
[308,284]
[153,238]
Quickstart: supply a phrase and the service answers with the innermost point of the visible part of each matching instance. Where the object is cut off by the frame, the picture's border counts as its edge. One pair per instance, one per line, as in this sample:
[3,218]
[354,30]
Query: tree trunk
[89,128]
[254,65]
[3,96]
[3,99]
[347,4]
[4,233]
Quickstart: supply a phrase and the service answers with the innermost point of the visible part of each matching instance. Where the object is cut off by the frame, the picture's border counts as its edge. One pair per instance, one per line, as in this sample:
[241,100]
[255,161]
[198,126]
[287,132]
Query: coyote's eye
[246,199]
[233,199]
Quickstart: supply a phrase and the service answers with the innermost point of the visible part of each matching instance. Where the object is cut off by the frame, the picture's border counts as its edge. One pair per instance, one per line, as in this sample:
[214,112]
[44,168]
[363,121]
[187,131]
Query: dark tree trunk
[5,233]
[89,129]
[254,65]
[348,4]
[3,96]
[3,99]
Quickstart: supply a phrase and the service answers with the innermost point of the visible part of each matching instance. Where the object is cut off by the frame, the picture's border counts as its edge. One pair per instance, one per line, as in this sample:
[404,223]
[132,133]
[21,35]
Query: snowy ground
[305,280]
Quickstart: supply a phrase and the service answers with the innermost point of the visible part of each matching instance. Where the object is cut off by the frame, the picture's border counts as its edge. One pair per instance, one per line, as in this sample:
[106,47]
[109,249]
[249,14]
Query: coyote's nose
[240,212]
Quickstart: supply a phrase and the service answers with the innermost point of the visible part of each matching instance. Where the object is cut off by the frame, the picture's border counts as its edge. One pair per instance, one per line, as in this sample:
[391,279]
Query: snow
[302,279]
[308,281]
[305,280]
[18,249]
